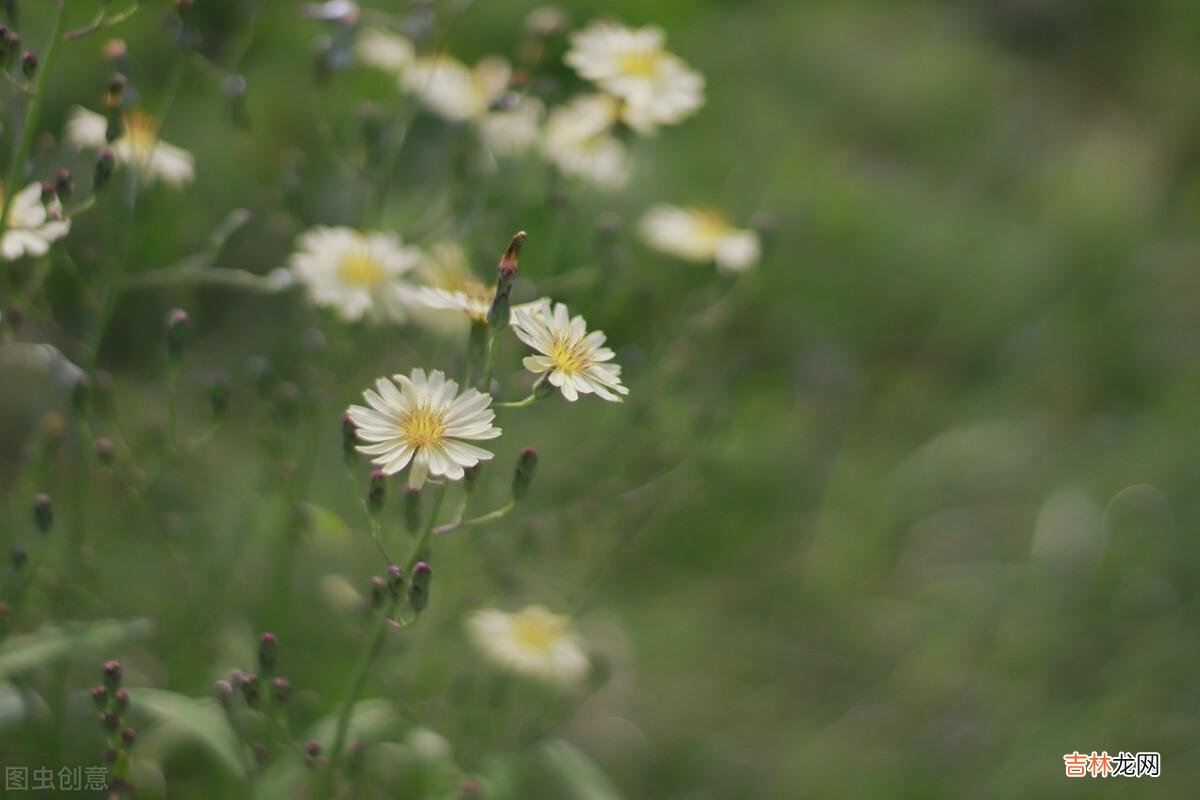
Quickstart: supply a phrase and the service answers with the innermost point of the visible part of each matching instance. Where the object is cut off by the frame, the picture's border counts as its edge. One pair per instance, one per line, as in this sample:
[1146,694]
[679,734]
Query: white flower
[531,642]
[451,286]
[572,359]
[580,142]
[383,50]
[30,228]
[138,146]
[657,86]
[356,273]
[511,131]
[703,235]
[424,421]
[474,300]
[455,91]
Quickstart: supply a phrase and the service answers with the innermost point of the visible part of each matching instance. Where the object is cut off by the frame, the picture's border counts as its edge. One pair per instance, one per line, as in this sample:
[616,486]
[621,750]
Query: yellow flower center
[141,131]
[537,629]
[641,64]
[425,427]
[360,268]
[480,297]
[568,357]
[711,224]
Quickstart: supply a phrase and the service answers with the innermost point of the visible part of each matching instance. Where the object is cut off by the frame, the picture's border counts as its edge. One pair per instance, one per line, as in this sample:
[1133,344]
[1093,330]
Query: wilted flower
[30,229]
[138,146]
[424,420]
[384,50]
[579,141]
[631,63]
[531,642]
[356,273]
[703,235]
[570,358]
[455,91]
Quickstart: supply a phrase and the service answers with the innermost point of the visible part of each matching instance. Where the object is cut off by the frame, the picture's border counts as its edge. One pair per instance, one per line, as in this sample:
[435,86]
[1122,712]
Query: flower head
[30,227]
[513,130]
[356,273]
[473,299]
[572,359]
[531,642]
[138,146]
[702,235]
[383,50]
[632,63]
[455,91]
[579,140]
[424,420]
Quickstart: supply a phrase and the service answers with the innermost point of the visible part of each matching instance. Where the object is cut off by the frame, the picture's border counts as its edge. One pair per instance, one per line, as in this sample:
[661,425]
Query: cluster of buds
[112,703]
[413,589]
[263,693]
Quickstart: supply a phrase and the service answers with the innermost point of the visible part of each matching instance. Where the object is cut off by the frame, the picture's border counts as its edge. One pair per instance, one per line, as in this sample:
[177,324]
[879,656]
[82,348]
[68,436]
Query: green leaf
[48,645]
[203,721]
[580,776]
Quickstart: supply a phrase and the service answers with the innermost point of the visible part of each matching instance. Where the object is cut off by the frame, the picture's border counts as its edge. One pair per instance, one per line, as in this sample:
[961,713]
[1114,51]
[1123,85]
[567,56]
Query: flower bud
[29,65]
[178,323]
[395,579]
[64,185]
[249,685]
[224,692]
[12,44]
[105,164]
[115,96]
[268,651]
[506,275]
[377,492]
[412,508]
[312,749]
[281,690]
[378,585]
[260,752]
[418,590]
[19,556]
[105,452]
[100,697]
[47,193]
[110,757]
[43,512]
[111,721]
[523,474]
[120,701]
[112,675]
[128,736]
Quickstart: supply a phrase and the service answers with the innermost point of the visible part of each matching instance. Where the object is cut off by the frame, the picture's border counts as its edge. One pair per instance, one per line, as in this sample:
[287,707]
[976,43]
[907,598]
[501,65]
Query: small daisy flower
[455,91]
[424,421]
[632,63]
[138,146]
[512,131]
[532,642]
[702,235]
[572,359]
[579,141]
[359,274]
[383,50]
[30,229]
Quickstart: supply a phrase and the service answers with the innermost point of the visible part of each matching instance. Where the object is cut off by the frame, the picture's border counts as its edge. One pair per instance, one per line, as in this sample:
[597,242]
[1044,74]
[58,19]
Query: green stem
[373,646]
[482,519]
[25,143]
[522,403]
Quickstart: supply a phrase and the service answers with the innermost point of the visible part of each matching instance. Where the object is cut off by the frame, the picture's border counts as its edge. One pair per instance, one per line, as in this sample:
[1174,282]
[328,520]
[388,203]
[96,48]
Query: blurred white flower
[450,285]
[511,131]
[631,63]
[384,50]
[138,147]
[531,642]
[572,359]
[702,235]
[424,421]
[359,274]
[455,91]
[30,229]
[579,141]
[474,300]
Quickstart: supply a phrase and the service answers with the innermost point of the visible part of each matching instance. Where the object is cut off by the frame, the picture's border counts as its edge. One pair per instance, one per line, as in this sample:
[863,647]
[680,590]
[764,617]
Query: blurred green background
[905,512]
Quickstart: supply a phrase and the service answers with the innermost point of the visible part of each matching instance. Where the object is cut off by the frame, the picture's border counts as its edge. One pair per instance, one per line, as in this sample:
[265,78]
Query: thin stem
[172,409]
[378,629]
[25,142]
[522,403]
[482,519]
